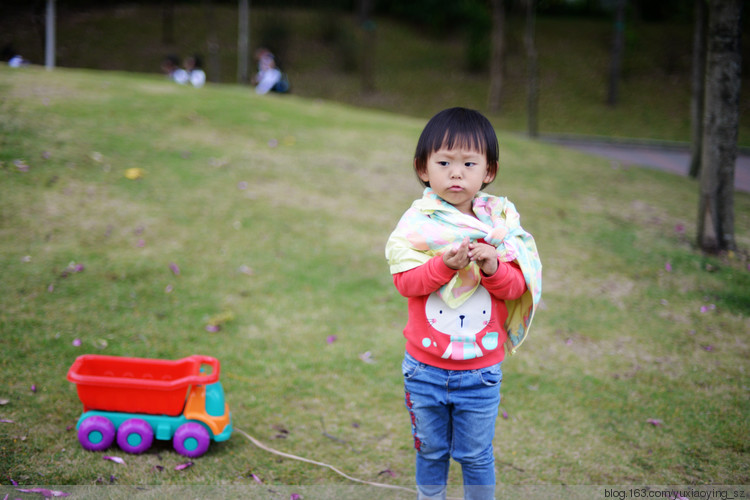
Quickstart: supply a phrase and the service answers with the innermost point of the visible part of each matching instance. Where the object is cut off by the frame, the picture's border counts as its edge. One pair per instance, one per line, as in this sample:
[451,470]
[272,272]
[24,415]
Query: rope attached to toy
[321,464]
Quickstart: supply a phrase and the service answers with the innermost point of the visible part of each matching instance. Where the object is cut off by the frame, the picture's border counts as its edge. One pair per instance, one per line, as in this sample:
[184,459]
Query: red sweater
[469,337]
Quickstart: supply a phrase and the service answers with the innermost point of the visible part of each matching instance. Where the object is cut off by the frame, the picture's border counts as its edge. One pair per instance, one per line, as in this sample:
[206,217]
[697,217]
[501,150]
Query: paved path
[673,158]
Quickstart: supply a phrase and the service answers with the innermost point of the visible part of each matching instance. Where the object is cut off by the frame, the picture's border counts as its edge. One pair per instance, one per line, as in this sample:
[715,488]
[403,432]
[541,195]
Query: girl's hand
[485,256]
[458,257]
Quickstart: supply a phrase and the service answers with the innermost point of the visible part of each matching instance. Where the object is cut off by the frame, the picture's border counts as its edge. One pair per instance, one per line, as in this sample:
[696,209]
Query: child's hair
[457,127]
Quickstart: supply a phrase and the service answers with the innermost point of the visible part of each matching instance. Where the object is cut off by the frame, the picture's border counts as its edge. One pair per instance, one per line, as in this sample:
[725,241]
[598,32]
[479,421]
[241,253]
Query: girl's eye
[443,163]
[469,164]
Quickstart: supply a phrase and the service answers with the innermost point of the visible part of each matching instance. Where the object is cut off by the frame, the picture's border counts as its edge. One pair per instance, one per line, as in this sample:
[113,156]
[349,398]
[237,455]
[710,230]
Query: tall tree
[618,47]
[698,87]
[243,42]
[49,39]
[167,22]
[368,45]
[532,94]
[498,54]
[213,63]
[720,127]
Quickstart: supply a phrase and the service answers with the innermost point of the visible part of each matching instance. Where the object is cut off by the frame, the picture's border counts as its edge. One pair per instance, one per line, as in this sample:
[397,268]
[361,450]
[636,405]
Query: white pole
[49,46]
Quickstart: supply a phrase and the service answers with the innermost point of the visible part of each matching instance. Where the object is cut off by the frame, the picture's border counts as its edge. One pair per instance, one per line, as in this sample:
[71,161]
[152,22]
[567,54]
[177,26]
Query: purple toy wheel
[96,433]
[135,436]
[191,440]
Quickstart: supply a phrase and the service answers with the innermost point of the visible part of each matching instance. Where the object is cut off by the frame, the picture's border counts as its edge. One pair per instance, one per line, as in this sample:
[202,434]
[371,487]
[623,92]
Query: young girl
[472,277]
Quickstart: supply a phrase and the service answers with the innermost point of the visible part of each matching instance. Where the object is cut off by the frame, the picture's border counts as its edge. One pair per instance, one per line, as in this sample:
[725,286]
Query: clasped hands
[461,255]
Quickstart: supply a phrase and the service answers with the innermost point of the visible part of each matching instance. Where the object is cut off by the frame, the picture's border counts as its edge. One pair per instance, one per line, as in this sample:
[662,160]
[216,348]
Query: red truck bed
[139,385]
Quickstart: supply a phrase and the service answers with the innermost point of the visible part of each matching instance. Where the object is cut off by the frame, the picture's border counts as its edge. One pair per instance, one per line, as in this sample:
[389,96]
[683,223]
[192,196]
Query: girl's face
[457,175]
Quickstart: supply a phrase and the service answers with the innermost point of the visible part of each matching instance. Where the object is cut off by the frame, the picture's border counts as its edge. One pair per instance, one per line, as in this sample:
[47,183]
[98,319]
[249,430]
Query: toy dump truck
[137,400]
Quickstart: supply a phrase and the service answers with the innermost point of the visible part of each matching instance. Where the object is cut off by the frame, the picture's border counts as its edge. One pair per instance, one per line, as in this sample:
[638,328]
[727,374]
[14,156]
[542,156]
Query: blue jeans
[453,414]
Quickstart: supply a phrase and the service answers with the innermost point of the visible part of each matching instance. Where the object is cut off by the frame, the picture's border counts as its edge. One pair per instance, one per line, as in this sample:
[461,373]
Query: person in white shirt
[171,66]
[269,78]
[194,69]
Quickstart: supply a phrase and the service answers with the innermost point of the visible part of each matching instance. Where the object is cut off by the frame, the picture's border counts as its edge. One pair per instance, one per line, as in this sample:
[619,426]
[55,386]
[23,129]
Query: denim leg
[453,413]
[474,417]
[431,427]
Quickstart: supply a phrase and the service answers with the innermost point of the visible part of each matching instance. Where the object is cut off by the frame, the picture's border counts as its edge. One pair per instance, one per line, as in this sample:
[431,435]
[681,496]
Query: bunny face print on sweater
[460,327]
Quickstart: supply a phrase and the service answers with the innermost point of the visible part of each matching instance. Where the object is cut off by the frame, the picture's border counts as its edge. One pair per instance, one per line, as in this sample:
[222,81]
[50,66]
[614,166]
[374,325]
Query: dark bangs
[457,128]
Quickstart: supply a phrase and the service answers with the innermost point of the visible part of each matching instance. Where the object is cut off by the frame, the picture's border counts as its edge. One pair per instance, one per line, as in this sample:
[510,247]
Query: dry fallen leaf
[134,173]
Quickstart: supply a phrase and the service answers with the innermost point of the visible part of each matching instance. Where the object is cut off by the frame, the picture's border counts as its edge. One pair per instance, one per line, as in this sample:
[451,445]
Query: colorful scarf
[432,226]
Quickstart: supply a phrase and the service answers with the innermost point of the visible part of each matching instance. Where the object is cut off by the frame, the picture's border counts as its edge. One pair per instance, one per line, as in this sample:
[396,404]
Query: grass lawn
[276,211]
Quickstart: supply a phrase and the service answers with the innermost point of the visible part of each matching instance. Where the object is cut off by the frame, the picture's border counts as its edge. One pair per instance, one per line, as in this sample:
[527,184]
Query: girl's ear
[491,174]
[421,173]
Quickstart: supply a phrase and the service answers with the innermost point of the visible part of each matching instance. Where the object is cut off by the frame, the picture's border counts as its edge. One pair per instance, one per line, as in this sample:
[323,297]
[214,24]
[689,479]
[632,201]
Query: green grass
[276,211]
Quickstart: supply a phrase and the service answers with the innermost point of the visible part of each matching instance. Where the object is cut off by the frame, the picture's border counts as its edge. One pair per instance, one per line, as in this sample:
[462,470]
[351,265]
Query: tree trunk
[167,22]
[720,127]
[368,45]
[49,39]
[213,63]
[698,87]
[498,54]
[532,102]
[618,45]
[243,42]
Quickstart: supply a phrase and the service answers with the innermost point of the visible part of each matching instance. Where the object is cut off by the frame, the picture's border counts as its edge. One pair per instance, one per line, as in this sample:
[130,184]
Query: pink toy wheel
[96,433]
[135,436]
[191,440]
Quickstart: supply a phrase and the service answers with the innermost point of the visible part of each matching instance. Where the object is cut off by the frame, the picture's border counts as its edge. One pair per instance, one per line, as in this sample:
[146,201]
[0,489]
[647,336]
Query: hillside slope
[415,72]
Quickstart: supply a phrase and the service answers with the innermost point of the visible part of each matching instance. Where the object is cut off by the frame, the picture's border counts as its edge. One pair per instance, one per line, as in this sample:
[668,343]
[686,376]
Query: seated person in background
[14,59]
[269,77]
[194,69]
[171,66]
[17,61]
